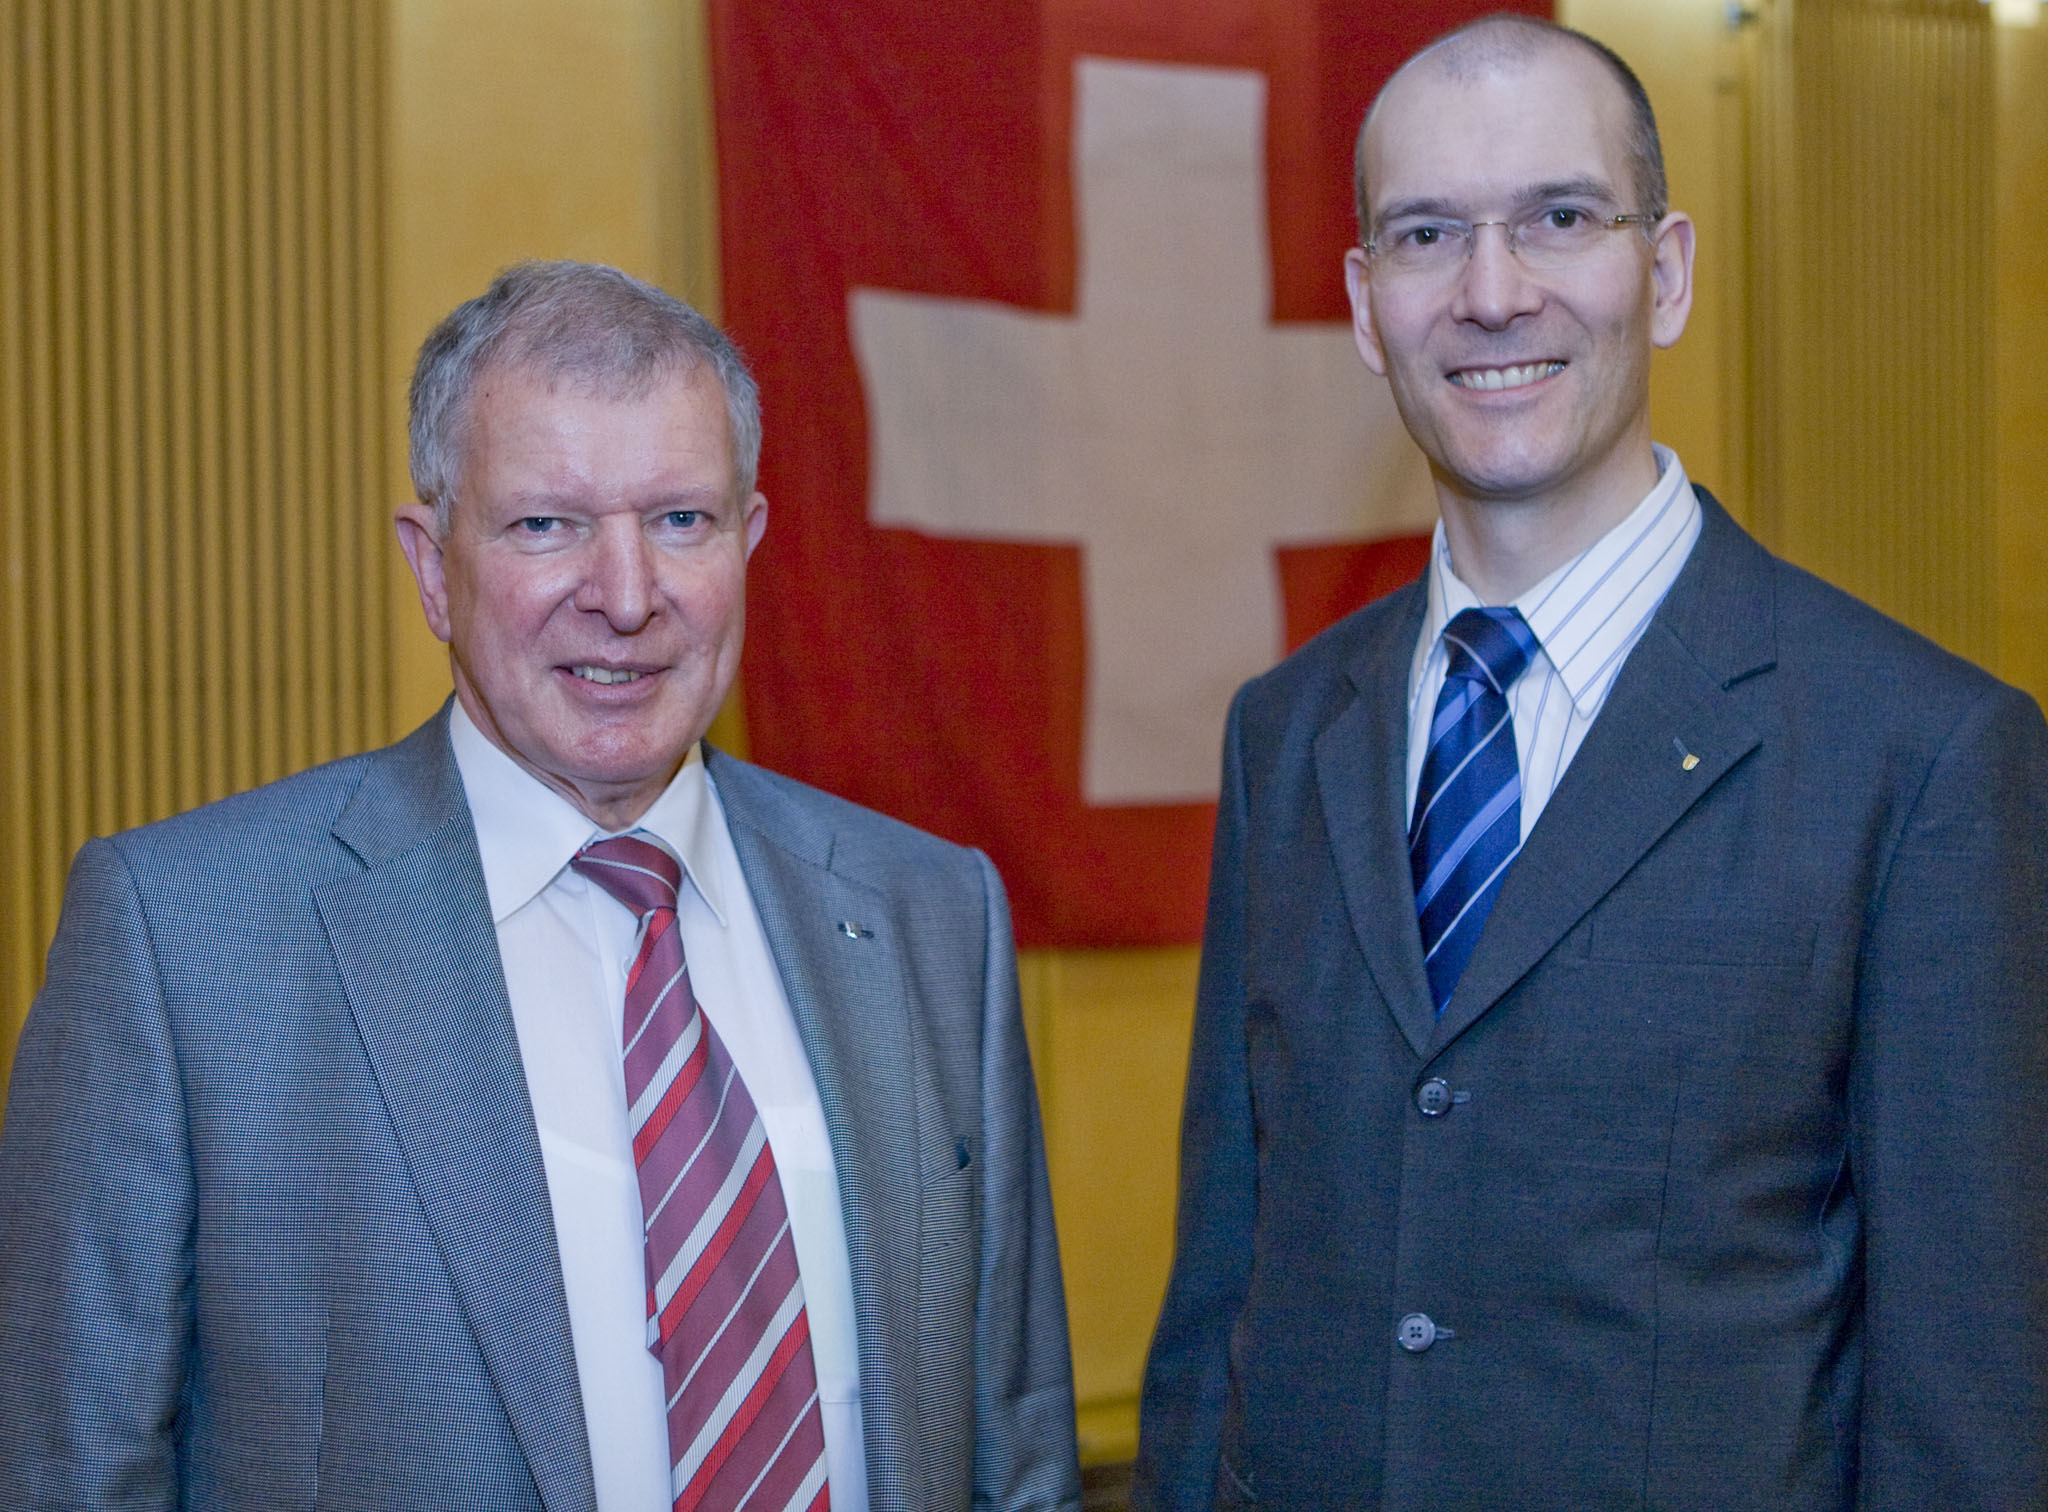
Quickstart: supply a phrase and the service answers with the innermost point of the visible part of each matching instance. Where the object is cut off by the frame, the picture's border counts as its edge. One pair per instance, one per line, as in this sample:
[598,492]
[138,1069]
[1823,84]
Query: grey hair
[581,322]
[1508,39]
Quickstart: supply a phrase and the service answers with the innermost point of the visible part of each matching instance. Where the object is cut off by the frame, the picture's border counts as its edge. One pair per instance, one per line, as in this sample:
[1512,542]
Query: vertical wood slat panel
[125,422]
[44,808]
[17,838]
[362,247]
[1873,401]
[315,608]
[156,123]
[240,349]
[2020,353]
[191,370]
[100,521]
[63,695]
[185,252]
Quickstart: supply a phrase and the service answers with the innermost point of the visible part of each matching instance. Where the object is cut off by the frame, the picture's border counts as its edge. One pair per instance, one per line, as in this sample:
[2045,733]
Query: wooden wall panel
[2021,326]
[1872,403]
[191,374]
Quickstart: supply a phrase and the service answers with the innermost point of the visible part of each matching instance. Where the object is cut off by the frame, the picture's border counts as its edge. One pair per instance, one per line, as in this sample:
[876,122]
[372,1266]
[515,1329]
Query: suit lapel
[1629,782]
[418,958]
[847,994]
[1361,778]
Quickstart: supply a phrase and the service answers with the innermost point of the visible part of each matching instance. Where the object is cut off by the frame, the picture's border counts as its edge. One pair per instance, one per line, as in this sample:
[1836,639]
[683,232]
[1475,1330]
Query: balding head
[1505,44]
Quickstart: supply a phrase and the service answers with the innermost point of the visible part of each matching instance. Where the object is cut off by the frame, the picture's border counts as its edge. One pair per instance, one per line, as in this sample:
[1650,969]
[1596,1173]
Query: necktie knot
[639,873]
[1491,646]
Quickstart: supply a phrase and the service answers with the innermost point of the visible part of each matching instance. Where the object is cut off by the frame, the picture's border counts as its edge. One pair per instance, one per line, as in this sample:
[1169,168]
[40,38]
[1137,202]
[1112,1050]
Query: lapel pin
[853,931]
[1686,760]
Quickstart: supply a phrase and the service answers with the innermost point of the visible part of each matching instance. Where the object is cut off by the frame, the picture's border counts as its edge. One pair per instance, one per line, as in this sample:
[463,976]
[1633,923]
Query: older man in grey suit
[547,1111]
[1620,1078]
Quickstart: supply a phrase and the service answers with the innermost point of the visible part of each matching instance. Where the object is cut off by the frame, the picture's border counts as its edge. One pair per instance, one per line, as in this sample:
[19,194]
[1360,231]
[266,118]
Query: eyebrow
[1534,194]
[543,501]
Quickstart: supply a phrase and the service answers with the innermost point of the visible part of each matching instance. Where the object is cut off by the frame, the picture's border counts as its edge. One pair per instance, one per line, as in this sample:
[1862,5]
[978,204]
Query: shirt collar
[526,832]
[1549,606]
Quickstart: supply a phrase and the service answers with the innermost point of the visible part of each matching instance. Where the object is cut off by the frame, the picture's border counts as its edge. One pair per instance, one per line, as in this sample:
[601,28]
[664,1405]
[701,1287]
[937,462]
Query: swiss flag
[1064,434]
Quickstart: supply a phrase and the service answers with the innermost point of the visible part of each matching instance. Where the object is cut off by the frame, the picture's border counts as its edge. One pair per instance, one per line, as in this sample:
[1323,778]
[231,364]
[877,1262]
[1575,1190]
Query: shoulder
[1829,633]
[1854,715]
[1829,650]
[275,820]
[1868,684]
[281,833]
[1366,651]
[828,830]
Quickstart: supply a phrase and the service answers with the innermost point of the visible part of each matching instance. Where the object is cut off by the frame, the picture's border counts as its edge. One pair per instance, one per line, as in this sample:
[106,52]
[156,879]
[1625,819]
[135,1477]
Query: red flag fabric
[1047,473]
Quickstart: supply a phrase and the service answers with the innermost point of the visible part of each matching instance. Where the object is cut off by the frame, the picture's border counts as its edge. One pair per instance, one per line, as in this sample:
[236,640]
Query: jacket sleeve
[1024,1442]
[1187,1375]
[96,1219]
[1948,1102]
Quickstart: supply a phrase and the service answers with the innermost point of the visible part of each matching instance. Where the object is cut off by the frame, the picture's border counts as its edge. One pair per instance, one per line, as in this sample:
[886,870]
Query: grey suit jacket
[274,1231]
[1734,1198]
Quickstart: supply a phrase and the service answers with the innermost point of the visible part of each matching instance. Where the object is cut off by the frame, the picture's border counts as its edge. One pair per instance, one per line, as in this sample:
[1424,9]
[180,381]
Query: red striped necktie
[725,1306]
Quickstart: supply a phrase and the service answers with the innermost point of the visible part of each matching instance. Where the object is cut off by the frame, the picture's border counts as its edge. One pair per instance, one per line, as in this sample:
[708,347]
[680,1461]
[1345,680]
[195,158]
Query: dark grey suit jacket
[274,1231]
[1736,1205]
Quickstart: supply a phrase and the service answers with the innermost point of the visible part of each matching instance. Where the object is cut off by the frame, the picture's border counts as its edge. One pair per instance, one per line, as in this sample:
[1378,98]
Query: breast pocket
[1761,941]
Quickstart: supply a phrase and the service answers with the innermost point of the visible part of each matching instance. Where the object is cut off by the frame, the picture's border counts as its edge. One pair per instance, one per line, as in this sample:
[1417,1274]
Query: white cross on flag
[1066,433]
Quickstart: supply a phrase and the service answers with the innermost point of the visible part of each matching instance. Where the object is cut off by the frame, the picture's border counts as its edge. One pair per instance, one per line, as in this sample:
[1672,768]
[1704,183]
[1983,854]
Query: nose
[619,577]
[1493,287]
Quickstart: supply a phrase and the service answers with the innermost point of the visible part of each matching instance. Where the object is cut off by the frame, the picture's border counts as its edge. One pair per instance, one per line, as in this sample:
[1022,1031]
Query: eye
[1419,238]
[538,525]
[1565,218]
[682,519]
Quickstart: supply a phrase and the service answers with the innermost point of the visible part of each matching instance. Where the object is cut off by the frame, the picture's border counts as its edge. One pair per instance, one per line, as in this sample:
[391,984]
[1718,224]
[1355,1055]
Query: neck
[612,806]
[1502,547]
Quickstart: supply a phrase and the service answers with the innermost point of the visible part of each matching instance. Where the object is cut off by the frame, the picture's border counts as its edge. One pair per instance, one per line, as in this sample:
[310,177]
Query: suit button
[1433,1097]
[1416,1333]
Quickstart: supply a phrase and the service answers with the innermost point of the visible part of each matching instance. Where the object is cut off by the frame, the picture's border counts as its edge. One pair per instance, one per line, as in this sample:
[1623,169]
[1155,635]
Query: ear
[1358,284]
[1671,278]
[422,545]
[756,515]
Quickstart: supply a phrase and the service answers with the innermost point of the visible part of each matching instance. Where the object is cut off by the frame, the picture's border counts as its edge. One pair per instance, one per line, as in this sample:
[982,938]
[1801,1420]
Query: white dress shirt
[566,945]
[1587,617]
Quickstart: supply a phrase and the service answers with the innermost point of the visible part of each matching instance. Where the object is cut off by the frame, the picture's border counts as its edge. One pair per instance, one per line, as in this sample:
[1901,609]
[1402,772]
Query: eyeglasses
[1553,237]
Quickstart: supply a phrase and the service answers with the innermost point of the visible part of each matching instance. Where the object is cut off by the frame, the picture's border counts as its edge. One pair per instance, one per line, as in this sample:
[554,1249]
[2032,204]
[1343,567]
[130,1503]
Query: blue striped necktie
[1468,805]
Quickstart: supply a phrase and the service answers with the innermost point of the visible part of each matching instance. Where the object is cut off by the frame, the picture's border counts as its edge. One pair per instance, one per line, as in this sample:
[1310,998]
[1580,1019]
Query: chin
[1505,468]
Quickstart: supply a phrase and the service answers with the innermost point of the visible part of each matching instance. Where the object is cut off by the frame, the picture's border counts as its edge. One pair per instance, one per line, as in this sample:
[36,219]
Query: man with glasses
[1618,1072]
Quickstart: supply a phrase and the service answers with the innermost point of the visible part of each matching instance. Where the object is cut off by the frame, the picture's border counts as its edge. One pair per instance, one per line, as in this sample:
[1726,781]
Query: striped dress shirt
[1587,615]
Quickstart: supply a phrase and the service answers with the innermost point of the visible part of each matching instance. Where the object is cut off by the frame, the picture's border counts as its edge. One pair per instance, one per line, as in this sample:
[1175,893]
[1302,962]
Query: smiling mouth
[607,675]
[1496,378]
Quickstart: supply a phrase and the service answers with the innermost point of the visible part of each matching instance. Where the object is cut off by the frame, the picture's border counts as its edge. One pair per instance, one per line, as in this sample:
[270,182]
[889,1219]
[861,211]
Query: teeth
[1507,377]
[606,675]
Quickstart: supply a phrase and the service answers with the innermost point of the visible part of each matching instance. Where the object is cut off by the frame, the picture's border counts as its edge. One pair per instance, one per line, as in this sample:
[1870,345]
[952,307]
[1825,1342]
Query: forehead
[524,412]
[1481,139]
